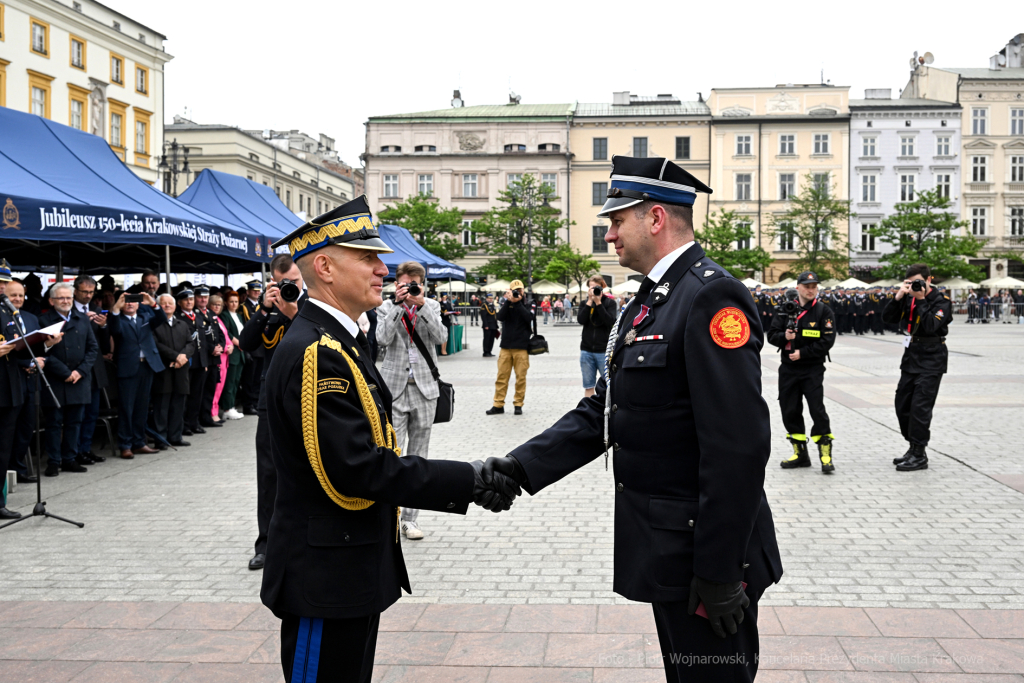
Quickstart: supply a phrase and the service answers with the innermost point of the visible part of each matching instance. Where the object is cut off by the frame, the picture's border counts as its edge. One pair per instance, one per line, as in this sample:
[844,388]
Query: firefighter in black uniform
[216,343]
[252,371]
[334,556]
[804,340]
[489,322]
[922,314]
[679,406]
[12,387]
[196,325]
[837,303]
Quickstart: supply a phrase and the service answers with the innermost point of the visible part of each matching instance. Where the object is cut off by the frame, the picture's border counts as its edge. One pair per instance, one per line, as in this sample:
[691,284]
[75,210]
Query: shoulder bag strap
[422,348]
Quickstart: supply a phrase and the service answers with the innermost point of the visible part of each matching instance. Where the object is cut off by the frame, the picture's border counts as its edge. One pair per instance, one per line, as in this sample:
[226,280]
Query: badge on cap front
[730,328]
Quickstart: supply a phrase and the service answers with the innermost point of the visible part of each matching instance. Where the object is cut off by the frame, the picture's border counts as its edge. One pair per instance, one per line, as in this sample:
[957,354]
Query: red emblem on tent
[730,329]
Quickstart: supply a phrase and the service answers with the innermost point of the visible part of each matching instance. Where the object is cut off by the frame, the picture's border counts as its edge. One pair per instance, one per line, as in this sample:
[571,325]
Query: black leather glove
[724,603]
[507,466]
[493,490]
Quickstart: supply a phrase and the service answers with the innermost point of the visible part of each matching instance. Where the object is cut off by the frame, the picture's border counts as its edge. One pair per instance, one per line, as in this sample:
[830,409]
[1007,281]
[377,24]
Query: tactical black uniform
[926,323]
[803,379]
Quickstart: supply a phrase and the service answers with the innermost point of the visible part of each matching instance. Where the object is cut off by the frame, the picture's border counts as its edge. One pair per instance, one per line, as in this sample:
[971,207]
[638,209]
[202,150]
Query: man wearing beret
[679,409]
[334,555]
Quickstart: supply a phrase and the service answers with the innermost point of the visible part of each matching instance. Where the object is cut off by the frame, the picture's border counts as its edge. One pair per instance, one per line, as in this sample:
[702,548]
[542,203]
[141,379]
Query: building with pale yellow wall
[659,126]
[766,143]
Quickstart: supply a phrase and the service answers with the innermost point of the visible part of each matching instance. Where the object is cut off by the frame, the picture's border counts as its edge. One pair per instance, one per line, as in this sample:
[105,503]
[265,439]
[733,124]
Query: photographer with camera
[922,314]
[804,330]
[597,316]
[414,390]
[516,317]
[280,303]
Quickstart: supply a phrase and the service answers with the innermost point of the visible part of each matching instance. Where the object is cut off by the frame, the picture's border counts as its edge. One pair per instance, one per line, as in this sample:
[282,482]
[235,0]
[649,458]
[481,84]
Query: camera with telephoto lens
[790,307]
[413,289]
[917,285]
[290,291]
[133,298]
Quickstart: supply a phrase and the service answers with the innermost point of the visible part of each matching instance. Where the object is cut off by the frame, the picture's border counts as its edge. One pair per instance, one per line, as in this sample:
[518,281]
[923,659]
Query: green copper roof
[485,111]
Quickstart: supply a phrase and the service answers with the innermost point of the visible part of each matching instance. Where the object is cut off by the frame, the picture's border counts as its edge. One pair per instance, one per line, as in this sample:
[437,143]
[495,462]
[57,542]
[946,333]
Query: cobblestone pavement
[179,526]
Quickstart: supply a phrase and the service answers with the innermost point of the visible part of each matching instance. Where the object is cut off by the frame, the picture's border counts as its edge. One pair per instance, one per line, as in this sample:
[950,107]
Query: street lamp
[171,170]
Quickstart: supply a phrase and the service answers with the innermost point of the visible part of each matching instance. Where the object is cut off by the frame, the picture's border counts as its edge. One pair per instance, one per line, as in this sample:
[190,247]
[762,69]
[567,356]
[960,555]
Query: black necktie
[363,342]
[645,291]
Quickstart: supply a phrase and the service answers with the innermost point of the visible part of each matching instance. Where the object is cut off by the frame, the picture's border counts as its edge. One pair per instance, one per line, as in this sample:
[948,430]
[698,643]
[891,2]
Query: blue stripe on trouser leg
[313,659]
[307,650]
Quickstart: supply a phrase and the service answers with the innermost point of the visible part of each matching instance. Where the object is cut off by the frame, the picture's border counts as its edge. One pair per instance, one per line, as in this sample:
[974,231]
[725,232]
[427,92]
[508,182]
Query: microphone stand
[39,509]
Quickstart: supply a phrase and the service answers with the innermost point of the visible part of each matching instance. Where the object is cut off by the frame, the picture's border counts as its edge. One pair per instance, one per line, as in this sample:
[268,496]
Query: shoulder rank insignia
[697,264]
[708,273]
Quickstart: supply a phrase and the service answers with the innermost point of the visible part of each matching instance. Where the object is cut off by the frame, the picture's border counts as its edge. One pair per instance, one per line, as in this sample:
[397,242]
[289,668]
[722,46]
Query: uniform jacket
[78,350]
[815,335]
[24,358]
[197,327]
[130,339]
[597,324]
[516,324]
[214,336]
[12,377]
[928,327]
[488,316]
[330,552]
[690,435]
[172,340]
[391,334]
[260,337]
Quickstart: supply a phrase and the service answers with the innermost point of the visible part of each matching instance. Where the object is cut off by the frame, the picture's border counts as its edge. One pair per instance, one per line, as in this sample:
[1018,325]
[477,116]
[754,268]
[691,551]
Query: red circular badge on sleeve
[730,329]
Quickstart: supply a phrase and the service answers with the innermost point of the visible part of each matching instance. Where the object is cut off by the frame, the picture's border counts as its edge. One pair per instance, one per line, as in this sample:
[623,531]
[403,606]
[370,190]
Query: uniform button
[615,408]
[614,367]
[616,447]
[619,487]
[347,538]
[451,505]
[690,522]
[640,359]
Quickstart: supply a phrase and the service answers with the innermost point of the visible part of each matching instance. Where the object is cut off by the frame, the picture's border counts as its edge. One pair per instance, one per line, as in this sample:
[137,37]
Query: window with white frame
[391,185]
[868,147]
[744,243]
[787,185]
[867,240]
[468,236]
[513,178]
[942,146]
[787,239]
[77,114]
[908,181]
[821,141]
[867,188]
[1017,122]
[77,53]
[39,38]
[1017,221]
[743,145]
[550,180]
[822,183]
[1017,169]
[979,121]
[979,220]
[38,101]
[116,136]
[787,144]
[979,169]
[943,184]
[469,184]
[425,183]
[140,137]
[906,145]
[743,186]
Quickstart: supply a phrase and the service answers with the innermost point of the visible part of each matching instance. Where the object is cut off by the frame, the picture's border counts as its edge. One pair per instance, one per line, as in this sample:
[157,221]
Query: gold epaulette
[383,437]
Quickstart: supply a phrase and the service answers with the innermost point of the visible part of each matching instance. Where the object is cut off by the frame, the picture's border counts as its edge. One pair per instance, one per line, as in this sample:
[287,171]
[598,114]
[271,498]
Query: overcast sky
[324,67]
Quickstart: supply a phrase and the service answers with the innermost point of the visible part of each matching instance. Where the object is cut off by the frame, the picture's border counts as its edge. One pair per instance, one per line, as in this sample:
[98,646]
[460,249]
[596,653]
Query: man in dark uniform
[260,336]
[216,343]
[838,306]
[249,387]
[12,389]
[489,322]
[680,408]
[334,558]
[759,302]
[922,314]
[804,343]
[199,361]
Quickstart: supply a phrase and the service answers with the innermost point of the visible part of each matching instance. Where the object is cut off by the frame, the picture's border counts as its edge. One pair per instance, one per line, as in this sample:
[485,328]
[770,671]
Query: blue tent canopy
[65,186]
[400,239]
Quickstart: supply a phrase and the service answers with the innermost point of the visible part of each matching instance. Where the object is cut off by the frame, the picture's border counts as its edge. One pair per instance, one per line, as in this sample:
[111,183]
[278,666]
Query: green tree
[817,223]
[923,231]
[569,264]
[436,229]
[720,237]
[506,230]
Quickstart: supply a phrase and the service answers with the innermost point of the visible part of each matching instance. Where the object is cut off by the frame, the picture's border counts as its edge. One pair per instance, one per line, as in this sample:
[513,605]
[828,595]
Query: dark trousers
[133,395]
[60,440]
[795,385]
[840,323]
[876,323]
[92,411]
[8,424]
[915,399]
[196,386]
[249,389]
[691,651]
[209,389]
[266,482]
[335,650]
[488,341]
[24,432]
[169,415]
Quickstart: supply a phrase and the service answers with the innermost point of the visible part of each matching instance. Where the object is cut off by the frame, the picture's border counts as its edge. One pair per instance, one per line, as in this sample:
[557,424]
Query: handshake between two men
[497,482]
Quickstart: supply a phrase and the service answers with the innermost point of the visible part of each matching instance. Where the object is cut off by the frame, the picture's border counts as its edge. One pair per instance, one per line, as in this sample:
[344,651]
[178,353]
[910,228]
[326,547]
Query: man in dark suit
[170,387]
[137,360]
[12,388]
[26,416]
[216,343]
[680,408]
[200,360]
[85,291]
[334,557]
[69,369]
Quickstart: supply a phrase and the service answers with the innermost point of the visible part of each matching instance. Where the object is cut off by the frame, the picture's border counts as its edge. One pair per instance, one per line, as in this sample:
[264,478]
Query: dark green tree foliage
[437,230]
[721,236]
[569,264]
[819,224]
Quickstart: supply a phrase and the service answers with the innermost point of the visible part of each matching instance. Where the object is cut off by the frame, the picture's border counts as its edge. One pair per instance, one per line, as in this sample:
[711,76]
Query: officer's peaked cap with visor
[349,225]
[651,178]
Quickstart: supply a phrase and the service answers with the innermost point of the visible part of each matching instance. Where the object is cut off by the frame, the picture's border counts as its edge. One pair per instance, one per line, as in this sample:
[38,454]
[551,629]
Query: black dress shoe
[518,410]
[494,410]
[11,514]
[84,459]
[72,466]
[160,447]
[97,458]
[198,430]
[180,444]
[52,470]
[211,423]
[257,561]
[186,432]
[27,479]
[249,411]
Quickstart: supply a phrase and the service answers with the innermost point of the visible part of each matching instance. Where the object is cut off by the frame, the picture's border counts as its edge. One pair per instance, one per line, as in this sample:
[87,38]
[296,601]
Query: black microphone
[9,305]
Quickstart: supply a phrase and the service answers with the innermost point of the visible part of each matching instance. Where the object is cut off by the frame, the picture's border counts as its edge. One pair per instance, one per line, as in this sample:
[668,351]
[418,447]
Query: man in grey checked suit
[408,375]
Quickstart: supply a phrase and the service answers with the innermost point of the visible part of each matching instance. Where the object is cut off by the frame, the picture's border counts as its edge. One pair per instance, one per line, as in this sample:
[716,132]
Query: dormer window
[426,148]
[390,149]
[549,147]
[515,148]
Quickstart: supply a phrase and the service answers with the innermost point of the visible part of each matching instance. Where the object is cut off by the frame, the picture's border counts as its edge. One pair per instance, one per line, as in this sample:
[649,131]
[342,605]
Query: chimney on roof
[620,98]
[878,93]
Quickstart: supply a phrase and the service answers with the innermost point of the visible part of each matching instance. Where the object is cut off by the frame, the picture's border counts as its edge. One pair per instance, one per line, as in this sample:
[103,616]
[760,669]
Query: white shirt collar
[348,323]
[662,266]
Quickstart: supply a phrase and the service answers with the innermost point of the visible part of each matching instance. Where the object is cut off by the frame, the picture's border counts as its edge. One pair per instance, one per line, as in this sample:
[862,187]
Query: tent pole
[60,264]
[167,266]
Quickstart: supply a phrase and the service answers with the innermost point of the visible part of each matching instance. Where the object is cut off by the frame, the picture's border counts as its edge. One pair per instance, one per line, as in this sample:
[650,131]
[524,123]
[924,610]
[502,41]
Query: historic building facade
[89,67]
[631,125]
[767,143]
[898,147]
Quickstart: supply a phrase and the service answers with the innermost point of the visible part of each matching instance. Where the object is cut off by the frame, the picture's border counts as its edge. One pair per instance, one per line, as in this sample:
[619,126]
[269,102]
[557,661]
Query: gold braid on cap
[308,401]
[336,228]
